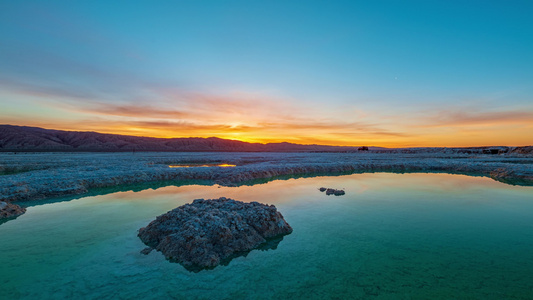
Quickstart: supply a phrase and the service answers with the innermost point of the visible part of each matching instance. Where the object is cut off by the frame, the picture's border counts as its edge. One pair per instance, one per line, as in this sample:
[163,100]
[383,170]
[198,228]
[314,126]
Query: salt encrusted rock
[205,233]
[339,192]
[10,210]
[330,191]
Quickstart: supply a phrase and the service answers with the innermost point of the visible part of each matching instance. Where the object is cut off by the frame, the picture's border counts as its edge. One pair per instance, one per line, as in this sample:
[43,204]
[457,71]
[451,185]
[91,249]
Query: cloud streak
[136,111]
[464,118]
[132,105]
[458,118]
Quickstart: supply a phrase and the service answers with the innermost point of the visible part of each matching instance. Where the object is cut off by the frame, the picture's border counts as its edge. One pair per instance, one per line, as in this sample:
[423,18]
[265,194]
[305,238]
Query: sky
[375,73]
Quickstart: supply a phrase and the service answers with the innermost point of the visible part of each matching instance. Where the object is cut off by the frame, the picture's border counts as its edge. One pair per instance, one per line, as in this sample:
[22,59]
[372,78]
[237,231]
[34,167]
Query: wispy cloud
[239,115]
[190,127]
[39,90]
[136,111]
[129,104]
[338,128]
[456,118]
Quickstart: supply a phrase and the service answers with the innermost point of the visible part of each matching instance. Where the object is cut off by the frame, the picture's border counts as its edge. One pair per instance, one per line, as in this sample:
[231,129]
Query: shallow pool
[392,236]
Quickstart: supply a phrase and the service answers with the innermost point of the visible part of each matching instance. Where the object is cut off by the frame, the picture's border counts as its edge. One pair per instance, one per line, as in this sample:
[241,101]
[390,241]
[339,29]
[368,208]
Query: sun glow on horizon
[502,136]
[202,166]
[323,73]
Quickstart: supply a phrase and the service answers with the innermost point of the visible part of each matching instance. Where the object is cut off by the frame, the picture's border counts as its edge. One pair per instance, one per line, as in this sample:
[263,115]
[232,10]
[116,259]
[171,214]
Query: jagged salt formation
[205,233]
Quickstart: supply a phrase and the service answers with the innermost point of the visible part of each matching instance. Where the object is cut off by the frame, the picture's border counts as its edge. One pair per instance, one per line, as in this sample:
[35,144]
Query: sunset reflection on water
[206,165]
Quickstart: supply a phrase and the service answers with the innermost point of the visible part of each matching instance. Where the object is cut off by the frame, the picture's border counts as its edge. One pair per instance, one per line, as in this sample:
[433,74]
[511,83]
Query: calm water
[392,236]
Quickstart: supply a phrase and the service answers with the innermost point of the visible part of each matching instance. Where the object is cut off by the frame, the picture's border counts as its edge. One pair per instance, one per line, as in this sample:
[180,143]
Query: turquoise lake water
[392,236]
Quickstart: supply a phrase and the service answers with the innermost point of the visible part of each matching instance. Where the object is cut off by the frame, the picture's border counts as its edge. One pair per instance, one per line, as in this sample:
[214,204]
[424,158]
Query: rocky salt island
[207,233]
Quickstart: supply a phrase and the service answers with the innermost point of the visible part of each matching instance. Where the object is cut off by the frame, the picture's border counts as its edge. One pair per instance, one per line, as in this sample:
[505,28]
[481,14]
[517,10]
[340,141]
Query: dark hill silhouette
[23,138]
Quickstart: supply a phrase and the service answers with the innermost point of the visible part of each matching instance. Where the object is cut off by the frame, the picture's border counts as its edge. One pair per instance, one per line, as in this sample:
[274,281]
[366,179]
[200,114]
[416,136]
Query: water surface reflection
[426,236]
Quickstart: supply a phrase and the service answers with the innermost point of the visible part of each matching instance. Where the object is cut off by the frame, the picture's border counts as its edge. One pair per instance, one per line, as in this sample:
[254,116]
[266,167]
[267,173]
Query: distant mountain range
[34,139]
[23,138]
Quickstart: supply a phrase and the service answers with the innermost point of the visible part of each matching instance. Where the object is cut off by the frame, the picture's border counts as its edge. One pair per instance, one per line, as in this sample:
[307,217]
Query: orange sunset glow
[336,79]
[273,120]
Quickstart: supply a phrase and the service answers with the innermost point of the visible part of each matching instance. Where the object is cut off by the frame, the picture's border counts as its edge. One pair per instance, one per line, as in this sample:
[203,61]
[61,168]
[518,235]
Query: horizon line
[267,143]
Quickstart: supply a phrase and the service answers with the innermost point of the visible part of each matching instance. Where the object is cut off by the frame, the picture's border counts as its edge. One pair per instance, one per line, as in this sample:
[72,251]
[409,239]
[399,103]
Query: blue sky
[393,73]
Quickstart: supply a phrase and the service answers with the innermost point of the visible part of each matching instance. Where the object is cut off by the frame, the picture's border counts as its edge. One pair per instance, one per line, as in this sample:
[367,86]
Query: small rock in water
[339,192]
[10,210]
[322,189]
[206,233]
[330,191]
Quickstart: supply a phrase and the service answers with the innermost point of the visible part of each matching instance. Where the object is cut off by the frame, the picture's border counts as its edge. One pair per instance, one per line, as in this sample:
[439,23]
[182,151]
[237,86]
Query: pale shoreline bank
[38,176]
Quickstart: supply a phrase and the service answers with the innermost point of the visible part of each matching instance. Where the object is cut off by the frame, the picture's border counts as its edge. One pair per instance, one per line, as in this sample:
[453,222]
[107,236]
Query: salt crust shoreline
[38,176]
